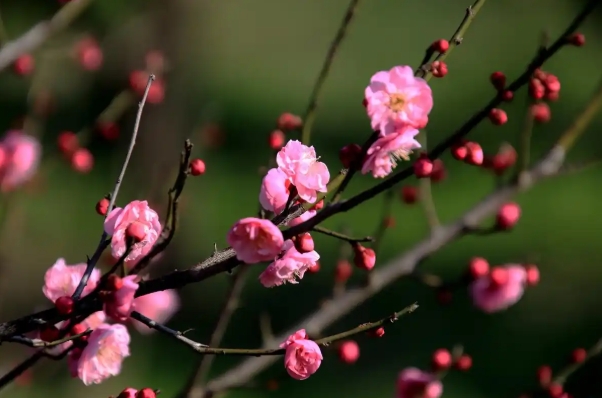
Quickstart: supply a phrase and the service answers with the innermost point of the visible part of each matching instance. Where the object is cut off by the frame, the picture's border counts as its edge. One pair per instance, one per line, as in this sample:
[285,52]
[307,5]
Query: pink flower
[62,280]
[385,152]
[289,267]
[19,159]
[275,190]
[255,240]
[119,305]
[302,218]
[397,97]
[301,166]
[414,383]
[303,357]
[119,219]
[500,289]
[159,306]
[107,346]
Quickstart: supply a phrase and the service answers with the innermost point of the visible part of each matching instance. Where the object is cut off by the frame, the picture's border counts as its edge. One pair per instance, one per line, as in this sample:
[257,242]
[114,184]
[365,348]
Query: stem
[324,342]
[341,236]
[103,239]
[426,195]
[310,113]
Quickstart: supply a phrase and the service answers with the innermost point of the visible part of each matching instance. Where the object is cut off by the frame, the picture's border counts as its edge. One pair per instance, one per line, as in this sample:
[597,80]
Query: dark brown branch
[341,236]
[46,344]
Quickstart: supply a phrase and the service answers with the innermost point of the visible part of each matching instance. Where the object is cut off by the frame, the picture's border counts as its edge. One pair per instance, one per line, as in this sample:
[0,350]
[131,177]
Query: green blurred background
[235,65]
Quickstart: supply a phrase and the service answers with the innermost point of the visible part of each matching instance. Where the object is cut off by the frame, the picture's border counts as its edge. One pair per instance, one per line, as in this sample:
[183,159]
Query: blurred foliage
[235,65]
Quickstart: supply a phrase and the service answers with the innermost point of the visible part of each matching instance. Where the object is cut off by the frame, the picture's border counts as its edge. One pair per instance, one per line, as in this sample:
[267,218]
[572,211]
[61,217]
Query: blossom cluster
[99,355]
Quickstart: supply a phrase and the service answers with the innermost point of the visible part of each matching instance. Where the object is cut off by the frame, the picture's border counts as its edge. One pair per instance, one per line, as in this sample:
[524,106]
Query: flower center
[399,155]
[396,102]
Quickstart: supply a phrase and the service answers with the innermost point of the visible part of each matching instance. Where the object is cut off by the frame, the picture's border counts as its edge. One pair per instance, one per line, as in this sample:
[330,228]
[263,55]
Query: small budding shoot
[82,160]
[276,139]
[498,116]
[67,142]
[24,65]
[423,167]
[577,39]
[532,274]
[363,257]
[378,332]
[478,267]
[102,206]
[439,173]
[288,121]
[348,154]
[304,243]
[578,355]
[197,167]
[342,271]
[544,375]
[541,112]
[349,351]
[474,154]
[463,363]
[108,130]
[507,216]
[498,79]
[440,46]
[315,268]
[64,305]
[439,69]
[409,194]
[441,360]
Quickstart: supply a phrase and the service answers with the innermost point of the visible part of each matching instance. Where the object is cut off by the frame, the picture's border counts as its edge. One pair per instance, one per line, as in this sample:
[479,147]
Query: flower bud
[349,351]
[508,215]
[364,257]
[197,167]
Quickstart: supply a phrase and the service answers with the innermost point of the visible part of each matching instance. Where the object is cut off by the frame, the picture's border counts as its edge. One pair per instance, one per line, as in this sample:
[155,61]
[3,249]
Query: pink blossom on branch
[289,267]
[19,159]
[500,289]
[118,221]
[396,98]
[303,357]
[255,240]
[275,190]
[414,383]
[62,280]
[107,347]
[385,152]
[300,164]
[159,306]
[119,304]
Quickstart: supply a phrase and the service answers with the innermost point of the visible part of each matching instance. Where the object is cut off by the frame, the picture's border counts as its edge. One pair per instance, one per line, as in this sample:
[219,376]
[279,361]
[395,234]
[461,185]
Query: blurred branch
[91,263]
[341,236]
[199,375]
[426,195]
[310,114]
[36,36]
[324,342]
[46,344]
[405,264]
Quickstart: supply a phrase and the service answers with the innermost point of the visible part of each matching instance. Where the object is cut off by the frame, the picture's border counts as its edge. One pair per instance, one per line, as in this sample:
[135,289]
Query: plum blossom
[498,291]
[119,219]
[289,267]
[275,190]
[62,280]
[300,164]
[303,357]
[19,159]
[396,97]
[255,240]
[159,306]
[385,152]
[414,383]
[108,346]
[120,303]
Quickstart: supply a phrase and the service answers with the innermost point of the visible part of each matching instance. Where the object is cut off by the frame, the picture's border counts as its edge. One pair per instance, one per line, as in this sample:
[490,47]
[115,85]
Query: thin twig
[310,114]
[341,236]
[103,239]
[201,371]
[426,195]
[46,344]
[324,342]
[41,32]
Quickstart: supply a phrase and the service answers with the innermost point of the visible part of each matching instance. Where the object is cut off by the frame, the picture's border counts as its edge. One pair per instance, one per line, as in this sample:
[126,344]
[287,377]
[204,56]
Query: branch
[310,114]
[257,352]
[341,236]
[36,36]
[46,344]
[103,239]
[405,264]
